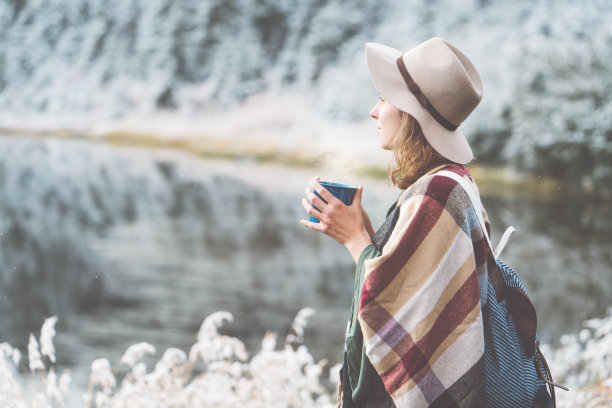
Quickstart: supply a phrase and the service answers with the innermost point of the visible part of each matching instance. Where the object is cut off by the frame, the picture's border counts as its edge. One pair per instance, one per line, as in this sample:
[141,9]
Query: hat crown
[446,77]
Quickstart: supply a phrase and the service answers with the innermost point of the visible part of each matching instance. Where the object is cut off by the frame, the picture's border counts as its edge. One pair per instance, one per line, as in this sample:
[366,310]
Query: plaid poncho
[420,309]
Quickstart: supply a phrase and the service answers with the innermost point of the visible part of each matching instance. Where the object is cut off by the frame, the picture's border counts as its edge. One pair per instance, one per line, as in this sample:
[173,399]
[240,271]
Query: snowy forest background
[153,154]
[237,67]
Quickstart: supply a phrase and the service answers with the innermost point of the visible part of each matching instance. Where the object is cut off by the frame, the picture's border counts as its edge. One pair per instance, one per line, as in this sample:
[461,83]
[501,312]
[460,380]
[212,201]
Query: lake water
[127,245]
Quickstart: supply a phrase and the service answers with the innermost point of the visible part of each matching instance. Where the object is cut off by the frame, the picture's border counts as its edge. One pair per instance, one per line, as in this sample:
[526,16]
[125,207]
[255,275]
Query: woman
[415,336]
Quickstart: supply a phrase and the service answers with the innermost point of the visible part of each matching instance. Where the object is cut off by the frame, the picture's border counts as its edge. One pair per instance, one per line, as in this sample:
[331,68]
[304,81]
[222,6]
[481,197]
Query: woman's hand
[343,223]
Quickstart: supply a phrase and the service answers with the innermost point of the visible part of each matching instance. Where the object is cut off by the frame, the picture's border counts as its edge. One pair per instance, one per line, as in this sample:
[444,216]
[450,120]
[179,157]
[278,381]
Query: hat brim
[388,81]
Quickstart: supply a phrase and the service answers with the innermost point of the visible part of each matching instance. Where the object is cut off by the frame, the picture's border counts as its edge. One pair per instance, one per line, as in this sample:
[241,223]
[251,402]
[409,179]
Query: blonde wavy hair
[414,156]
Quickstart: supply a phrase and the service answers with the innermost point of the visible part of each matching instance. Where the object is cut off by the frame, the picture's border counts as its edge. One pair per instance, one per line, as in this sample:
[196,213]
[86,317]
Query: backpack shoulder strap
[478,208]
[495,274]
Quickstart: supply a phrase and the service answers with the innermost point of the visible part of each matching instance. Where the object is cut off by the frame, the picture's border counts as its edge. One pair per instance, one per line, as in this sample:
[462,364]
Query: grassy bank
[492,180]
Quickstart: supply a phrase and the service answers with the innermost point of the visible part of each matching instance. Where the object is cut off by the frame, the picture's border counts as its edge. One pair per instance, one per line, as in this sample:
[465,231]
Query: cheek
[394,122]
[391,114]
[398,121]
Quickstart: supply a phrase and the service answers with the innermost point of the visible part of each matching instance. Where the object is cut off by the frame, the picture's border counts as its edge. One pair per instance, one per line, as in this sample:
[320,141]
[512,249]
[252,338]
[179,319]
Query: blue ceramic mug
[343,192]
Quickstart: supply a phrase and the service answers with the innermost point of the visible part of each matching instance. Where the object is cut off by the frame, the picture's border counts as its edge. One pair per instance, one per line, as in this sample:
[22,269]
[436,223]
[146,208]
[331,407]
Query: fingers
[315,199]
[317,226]
[310,210]
[327,196]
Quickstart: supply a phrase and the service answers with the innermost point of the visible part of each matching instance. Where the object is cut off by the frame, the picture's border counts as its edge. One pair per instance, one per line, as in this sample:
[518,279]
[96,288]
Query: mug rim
[334,184]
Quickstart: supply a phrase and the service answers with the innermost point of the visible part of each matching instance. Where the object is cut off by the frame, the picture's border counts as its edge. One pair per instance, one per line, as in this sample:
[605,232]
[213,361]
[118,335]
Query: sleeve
[363,377]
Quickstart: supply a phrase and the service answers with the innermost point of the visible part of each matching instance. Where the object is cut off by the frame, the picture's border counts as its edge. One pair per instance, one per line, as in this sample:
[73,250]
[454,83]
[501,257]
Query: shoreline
[496,181]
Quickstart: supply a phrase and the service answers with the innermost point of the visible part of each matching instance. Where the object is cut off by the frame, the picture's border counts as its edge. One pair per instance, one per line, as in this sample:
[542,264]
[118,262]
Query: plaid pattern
[420,309]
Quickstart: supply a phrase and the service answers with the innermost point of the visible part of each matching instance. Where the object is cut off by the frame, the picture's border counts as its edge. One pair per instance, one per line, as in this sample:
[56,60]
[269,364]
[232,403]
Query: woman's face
[388,122]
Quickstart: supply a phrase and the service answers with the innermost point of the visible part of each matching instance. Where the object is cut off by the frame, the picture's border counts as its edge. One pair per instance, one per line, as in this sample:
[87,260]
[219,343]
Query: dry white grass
[218,372]
[584,364]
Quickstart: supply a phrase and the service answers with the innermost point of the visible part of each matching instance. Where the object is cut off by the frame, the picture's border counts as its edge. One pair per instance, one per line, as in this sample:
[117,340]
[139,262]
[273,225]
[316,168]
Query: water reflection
[132,245]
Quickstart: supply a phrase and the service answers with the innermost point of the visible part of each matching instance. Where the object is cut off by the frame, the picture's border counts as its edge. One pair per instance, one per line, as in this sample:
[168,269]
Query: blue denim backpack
[517,373]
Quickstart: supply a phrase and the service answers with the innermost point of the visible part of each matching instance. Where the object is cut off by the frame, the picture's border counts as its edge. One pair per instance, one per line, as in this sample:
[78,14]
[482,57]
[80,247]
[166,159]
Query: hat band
[416,91]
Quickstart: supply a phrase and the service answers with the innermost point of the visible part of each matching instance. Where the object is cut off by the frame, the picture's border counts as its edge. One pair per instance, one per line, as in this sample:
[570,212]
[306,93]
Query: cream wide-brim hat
[445,76]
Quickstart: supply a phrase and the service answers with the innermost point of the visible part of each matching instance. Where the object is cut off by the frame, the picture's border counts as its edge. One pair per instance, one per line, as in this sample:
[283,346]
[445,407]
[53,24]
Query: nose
[374,112]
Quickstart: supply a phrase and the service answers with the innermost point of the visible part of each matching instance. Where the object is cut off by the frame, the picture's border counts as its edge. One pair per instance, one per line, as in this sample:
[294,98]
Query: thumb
[358,195]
